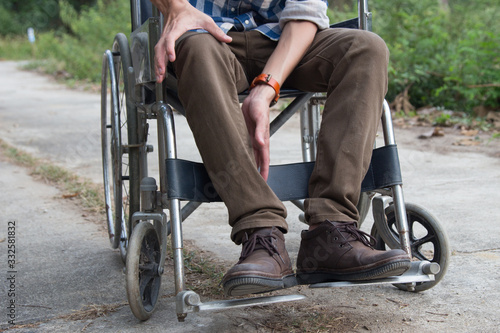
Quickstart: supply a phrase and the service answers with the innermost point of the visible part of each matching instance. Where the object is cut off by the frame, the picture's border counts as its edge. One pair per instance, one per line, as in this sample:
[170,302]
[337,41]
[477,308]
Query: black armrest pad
[351,24]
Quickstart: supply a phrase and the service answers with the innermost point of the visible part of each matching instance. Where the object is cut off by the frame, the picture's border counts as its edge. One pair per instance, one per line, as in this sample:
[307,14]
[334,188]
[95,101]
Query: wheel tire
[428,240]
[119,142]
[143,280]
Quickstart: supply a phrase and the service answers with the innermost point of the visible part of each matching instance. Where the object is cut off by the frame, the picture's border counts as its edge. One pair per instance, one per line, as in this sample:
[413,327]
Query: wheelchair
[138,224]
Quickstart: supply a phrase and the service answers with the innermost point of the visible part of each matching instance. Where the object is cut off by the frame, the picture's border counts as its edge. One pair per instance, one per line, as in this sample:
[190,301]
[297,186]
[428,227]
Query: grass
[90,195]
[203,274]
[17,48]
[92,311]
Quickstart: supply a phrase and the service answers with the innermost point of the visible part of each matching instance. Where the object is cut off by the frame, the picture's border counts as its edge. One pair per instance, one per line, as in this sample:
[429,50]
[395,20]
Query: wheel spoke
[427,239]
[144,282]
[147,267]
[419,255]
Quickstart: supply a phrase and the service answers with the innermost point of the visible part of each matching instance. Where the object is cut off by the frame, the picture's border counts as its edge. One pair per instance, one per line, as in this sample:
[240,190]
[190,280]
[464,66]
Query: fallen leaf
[467,142]
[436,131]
[494,118]
[469,132]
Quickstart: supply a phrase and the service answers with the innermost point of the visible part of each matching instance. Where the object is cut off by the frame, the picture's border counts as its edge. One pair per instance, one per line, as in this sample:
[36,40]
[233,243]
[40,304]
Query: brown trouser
[350,65]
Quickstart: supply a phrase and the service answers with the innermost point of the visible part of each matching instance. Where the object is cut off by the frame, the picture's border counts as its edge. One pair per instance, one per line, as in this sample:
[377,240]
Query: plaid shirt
[266,16]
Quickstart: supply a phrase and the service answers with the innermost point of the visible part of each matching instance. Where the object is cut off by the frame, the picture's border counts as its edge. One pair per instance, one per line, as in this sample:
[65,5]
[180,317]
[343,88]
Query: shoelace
[363,237]
[266,241]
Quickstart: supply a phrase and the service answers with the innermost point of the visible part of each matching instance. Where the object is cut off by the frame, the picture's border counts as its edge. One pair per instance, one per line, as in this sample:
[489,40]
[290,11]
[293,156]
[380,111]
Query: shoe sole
[255,285]
[390,269]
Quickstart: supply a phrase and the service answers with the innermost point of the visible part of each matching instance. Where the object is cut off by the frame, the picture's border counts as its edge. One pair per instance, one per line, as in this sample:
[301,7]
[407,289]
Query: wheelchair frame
[138,225]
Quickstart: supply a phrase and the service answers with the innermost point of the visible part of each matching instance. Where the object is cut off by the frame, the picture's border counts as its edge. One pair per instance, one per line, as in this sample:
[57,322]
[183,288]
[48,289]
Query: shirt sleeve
[305,10]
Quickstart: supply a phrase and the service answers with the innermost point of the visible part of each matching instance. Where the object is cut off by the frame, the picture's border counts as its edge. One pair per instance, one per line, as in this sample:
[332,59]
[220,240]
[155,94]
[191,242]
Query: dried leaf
[469,132]
[436,131]
[494,118]
[467,142]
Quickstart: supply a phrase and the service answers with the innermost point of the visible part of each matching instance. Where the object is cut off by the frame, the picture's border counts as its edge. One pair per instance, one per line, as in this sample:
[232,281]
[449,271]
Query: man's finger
[171,49]
[160,63]
[218,33]
[264,164]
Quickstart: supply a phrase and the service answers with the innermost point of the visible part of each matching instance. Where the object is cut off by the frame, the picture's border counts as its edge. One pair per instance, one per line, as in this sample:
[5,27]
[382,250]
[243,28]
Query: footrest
[420,271]
[189,301]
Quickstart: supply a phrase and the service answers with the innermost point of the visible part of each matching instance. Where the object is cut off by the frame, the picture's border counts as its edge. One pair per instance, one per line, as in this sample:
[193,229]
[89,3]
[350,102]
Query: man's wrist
[267,79]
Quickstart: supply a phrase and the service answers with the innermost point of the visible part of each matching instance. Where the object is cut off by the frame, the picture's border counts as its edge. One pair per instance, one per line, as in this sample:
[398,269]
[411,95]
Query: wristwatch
[267,79]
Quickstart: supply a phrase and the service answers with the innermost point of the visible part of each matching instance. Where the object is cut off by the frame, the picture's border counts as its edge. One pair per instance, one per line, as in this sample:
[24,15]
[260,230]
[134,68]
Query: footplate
[420,271]
[188,301]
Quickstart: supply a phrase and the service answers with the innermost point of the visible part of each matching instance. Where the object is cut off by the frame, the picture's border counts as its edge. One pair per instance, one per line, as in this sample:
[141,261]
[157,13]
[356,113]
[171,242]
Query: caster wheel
[143,270]
[428,240]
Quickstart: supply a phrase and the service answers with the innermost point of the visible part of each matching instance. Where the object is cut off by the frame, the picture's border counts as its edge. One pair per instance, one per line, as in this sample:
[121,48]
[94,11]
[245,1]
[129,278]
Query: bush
[443,55]
[91,32]
[42,15]
[447,55]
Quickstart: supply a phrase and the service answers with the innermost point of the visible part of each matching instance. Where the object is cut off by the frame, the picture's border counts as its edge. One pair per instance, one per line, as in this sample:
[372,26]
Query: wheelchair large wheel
[428,240]
[120,155]
[143,270]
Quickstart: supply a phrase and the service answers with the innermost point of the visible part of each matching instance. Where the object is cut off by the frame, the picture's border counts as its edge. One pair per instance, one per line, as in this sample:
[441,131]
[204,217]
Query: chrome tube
[389,137]
[309,128]
[401,218]
[167,149]
[397,190]
[135,10]
[364,16]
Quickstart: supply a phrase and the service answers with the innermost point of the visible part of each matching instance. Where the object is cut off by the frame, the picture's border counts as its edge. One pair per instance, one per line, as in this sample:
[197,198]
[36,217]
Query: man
[262,45]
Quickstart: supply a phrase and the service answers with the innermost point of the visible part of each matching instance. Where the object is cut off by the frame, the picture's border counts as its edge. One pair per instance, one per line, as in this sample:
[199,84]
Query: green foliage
[342,12]
[16,47]
[42,15]
[92,31]
[447,55]
[78,52]
[17,15]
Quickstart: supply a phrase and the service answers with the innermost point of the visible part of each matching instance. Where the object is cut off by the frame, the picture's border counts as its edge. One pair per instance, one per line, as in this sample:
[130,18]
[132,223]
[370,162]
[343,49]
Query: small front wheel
[428,240]
[143,270]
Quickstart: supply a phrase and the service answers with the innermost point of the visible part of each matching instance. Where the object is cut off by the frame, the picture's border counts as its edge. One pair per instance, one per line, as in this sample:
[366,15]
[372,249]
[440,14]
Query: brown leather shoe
[339,251]
[264,265]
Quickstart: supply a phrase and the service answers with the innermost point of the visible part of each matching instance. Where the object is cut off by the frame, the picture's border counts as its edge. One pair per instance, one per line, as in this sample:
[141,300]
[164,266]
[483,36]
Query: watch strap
[270,81]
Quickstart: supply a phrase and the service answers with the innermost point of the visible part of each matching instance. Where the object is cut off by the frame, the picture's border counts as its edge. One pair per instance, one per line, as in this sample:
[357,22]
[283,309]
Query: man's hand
[255,110]
[296,37]
[180,17]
